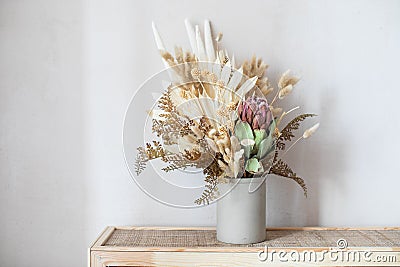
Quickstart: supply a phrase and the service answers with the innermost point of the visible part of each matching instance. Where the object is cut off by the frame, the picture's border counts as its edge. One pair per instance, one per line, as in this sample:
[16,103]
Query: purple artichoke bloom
[255,111]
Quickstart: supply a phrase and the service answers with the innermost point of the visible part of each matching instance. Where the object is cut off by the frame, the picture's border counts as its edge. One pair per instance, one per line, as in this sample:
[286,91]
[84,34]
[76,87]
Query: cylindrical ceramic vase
[241,212]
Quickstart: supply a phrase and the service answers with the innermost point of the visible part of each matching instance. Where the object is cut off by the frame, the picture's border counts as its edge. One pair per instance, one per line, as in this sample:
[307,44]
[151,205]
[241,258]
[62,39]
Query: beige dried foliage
[219,37]
[276,111]
[256,67]
[213,143]
[267,90]
[287,79]
[179,56]
[195,72]
[189,57]
[310,131]
[285,91]
[192,155]
[168,58]
[213,78]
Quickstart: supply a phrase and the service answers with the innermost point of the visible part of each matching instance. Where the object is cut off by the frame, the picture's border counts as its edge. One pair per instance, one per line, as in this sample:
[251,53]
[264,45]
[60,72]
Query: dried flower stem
[285,113]
[276,95]
[298,139]
[307,133]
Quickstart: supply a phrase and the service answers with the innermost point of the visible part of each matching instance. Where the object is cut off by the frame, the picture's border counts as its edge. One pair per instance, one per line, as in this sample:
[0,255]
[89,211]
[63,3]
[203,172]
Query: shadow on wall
[310,159]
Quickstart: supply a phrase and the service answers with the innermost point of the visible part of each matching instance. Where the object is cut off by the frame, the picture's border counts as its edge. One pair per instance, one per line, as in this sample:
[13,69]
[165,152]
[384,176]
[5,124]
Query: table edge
[97,245]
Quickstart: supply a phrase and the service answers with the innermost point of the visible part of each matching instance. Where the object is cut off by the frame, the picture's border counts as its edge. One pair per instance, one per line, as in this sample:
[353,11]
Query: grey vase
[241,212]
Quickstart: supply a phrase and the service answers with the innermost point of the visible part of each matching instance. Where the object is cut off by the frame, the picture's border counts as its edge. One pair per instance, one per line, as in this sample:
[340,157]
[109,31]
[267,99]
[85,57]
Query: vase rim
[244,180]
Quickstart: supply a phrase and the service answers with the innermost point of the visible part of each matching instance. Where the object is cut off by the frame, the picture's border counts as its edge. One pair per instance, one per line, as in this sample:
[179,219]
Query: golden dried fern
[212,172]
[287,132]
[141,160]
[172,126]
[279,167]
[282,169]
[177,161]
[165,102]
[210,193]
[151,151]
[171,167]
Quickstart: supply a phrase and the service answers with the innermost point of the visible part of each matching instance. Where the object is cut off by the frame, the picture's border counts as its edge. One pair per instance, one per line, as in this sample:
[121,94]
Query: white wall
[43,194]
[69,68]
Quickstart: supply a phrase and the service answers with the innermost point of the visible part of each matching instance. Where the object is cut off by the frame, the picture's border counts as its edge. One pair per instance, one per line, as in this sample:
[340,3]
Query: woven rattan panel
[275,238]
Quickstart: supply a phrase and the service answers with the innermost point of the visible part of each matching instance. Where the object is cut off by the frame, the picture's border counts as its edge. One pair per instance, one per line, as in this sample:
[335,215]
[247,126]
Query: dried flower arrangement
[217,117]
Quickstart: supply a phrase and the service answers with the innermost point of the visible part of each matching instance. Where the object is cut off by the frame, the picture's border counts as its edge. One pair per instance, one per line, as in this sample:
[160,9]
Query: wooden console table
[315,246]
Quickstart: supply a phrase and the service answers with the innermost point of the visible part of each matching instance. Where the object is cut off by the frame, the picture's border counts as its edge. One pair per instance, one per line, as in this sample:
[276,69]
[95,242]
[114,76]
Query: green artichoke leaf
[252,165]
[247,145]
[265,147]
[271,128]
[243,131]
[259,136]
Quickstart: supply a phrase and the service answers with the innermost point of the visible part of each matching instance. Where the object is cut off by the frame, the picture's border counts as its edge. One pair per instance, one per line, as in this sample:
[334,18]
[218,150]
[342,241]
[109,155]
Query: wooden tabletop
[204,238]
[198,246]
